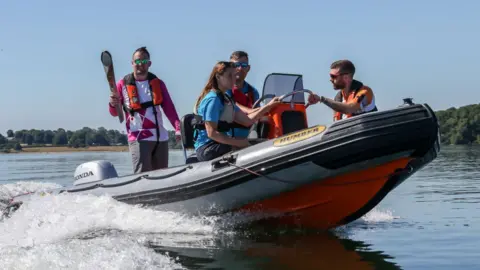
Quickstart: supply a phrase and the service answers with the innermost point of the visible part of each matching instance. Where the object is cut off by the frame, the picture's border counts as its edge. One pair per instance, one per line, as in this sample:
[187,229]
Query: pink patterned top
[141,126]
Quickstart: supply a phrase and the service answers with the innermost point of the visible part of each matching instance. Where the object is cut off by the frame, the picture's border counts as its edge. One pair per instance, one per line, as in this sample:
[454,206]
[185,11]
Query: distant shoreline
[66,149]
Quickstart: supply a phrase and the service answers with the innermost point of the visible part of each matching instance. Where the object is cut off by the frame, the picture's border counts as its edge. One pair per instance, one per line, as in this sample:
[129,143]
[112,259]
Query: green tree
[48,136]
[3,140]
[19,135]
[60,138]
[28,138]
[460,126]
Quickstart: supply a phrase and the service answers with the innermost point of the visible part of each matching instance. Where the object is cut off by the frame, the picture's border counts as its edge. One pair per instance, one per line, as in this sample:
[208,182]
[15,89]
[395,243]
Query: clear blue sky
[51,75]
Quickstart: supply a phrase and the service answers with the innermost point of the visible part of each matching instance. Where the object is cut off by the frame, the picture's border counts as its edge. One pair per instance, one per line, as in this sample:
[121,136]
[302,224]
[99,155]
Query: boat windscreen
[280,84]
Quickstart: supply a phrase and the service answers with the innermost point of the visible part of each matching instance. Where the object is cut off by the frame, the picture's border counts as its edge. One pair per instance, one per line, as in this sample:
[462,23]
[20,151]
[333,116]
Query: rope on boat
[408,169]
[259,174]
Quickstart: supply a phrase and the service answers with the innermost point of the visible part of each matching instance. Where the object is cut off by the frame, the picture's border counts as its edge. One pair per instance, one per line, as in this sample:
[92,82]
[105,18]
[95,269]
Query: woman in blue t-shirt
[216,108]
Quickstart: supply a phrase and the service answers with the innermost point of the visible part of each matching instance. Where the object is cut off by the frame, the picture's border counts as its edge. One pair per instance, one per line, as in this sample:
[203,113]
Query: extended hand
[313,99]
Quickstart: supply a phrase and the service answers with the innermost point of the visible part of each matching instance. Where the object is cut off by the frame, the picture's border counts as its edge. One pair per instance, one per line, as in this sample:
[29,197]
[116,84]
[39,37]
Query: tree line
[80,138]
[460,125]
[457,126]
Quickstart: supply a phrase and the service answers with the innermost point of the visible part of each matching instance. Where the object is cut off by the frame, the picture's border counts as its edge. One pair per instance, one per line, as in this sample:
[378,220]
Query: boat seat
[186,129]
[187,137]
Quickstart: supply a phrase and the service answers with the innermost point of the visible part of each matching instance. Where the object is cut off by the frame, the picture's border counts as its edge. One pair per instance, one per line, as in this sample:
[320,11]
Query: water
[431,221]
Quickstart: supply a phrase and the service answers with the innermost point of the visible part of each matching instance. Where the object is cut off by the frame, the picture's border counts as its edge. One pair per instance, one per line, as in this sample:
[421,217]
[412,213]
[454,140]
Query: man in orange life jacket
[143,97]
[244,94]
[354,98]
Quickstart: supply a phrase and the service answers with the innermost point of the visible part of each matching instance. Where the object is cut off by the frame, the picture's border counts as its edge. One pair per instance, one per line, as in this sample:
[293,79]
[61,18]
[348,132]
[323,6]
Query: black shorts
[212,150]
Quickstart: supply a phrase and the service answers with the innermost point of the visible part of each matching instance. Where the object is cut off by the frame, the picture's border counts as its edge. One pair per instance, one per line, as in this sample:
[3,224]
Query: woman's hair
[212,82]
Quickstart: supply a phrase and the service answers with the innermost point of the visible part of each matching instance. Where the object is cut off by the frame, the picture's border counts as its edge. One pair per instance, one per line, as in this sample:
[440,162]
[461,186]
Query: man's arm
[169,108]
[346,108]
[353,105]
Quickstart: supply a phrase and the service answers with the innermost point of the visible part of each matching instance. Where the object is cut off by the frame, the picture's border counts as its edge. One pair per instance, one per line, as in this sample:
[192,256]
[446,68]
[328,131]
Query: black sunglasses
[335,76]
[241,64]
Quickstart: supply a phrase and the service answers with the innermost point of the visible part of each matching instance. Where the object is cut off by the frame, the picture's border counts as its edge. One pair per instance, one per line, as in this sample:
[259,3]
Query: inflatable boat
[293,174]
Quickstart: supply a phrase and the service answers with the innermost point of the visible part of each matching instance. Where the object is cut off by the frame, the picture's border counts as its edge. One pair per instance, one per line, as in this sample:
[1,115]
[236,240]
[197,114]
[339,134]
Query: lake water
[431,221]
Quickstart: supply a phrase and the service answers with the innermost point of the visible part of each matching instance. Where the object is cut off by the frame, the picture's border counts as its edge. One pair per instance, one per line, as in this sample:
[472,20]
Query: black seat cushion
[187,131]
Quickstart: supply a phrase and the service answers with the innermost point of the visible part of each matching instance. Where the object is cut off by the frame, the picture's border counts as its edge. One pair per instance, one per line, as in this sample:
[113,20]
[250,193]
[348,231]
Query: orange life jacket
[356,87]
[133,97]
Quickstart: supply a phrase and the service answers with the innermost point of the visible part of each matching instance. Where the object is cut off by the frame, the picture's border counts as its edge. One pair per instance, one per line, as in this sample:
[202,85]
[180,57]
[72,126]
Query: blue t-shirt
[210,109]
[243,132]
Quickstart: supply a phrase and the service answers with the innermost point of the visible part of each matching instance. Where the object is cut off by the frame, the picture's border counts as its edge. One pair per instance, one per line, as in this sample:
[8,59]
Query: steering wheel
[283,96]
[296,92]
[254,126]
[262,98]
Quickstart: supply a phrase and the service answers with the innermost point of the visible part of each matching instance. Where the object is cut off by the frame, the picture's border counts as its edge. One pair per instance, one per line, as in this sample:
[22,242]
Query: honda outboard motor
[94,171]
[88,172]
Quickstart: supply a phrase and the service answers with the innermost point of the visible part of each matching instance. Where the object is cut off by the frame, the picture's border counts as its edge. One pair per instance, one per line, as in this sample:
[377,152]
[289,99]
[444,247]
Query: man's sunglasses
[141,61]
[240,64]
[337,75]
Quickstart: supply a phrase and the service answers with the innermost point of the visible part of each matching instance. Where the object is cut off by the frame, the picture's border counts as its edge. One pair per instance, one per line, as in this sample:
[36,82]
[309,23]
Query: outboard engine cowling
[94,171]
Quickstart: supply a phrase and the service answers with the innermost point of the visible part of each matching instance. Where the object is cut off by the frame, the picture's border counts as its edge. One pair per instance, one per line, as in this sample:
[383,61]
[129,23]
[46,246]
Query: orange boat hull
[330,202]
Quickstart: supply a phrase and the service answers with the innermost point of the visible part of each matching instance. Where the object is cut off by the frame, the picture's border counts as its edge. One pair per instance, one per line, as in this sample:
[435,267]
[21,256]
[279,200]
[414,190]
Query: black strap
[222,126]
